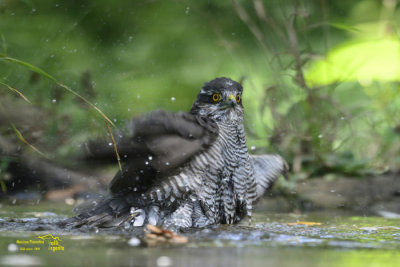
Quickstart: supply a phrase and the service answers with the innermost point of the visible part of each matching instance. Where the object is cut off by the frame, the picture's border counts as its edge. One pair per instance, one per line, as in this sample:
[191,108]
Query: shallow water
[339,240]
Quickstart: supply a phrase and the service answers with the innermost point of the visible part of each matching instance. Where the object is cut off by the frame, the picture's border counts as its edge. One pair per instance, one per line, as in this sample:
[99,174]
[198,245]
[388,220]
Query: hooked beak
[231,101]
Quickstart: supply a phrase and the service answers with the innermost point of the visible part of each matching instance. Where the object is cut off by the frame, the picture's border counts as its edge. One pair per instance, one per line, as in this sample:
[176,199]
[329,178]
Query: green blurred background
[321,77]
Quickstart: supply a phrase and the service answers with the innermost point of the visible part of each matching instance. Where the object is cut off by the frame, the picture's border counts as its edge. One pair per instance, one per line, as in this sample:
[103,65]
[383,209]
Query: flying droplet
[173,98]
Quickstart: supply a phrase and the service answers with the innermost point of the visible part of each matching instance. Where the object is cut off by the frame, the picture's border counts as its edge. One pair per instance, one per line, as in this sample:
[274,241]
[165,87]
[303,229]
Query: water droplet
[164,261]
[110,144]
[115,120]
[320,136]
[187,10]
[127,225]
[167,163]
[138,96]
[12,247]
[150,157]
[54,100]
[130,38]
[173,98]
[342,118]
[253,147]
[52,55]
[146,162]
[33,10]
[134,242]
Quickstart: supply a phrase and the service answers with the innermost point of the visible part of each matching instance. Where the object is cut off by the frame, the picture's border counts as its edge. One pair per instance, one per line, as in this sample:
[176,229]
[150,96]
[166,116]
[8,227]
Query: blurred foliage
[320,77]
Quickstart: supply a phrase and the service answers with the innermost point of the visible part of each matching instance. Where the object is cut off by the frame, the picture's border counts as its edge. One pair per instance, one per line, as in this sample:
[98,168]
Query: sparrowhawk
[187,169]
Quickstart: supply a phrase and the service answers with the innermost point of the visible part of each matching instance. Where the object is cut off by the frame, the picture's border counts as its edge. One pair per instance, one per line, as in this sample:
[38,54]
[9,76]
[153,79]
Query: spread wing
[160,144]
[267,168]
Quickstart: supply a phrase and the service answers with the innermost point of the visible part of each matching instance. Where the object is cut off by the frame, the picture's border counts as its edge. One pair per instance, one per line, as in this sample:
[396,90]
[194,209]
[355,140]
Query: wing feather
[267,168]
[161,142]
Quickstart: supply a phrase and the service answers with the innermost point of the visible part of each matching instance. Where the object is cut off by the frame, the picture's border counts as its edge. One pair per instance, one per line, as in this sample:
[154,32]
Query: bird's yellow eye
[238,98]
[216,97]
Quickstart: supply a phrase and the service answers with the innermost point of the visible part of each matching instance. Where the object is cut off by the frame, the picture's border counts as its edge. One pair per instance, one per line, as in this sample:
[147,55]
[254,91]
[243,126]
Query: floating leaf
[304,223]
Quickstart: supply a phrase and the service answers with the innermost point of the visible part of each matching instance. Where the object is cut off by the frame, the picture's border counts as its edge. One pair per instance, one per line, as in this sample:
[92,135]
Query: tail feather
[110,212]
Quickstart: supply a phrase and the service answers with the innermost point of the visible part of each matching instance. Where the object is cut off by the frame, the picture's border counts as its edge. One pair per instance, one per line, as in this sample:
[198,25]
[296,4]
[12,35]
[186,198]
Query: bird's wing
[267,168]
[173,137]
[161,142]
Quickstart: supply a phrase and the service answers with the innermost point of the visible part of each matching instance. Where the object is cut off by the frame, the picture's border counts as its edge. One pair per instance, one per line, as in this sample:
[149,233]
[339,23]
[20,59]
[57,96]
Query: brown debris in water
[159,236]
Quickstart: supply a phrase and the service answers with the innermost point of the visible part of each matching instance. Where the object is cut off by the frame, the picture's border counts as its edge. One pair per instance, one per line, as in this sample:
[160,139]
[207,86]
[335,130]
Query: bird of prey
[187,169]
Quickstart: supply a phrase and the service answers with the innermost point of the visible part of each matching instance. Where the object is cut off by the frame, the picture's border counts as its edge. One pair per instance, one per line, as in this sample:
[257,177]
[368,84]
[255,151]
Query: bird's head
[220,100]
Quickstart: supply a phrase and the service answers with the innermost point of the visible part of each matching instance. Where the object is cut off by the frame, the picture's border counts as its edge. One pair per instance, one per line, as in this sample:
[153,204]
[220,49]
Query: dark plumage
[188,169]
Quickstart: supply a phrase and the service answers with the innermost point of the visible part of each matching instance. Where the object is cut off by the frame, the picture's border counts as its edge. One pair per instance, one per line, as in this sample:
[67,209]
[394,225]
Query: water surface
[271,239]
